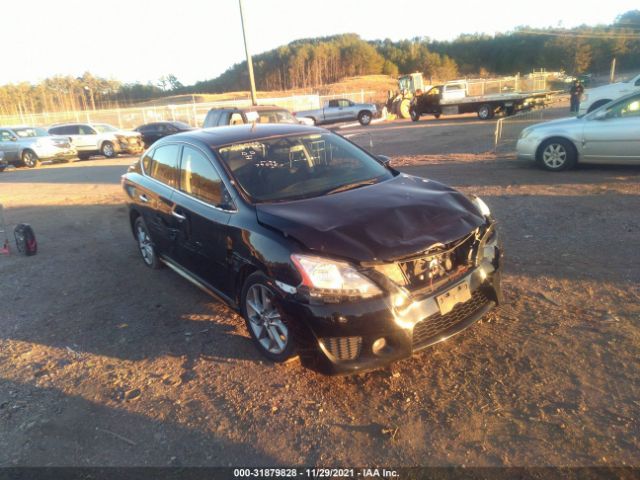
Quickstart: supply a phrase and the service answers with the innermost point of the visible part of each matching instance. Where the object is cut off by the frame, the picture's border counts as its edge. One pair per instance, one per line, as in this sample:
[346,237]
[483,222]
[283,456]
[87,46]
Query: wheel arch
[566,138]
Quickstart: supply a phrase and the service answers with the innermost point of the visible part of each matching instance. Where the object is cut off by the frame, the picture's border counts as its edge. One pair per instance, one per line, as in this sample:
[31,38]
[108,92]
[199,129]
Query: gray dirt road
[104,362]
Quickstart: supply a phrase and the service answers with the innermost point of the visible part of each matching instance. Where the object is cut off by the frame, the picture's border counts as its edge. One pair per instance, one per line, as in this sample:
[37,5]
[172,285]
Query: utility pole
[612,75]
[249,62]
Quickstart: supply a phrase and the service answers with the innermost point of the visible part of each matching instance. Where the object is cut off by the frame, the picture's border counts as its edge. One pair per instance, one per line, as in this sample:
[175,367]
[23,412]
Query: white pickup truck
[596,97]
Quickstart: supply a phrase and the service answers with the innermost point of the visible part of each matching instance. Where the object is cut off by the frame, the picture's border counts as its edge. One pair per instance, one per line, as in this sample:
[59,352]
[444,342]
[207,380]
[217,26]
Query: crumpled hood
[381,222]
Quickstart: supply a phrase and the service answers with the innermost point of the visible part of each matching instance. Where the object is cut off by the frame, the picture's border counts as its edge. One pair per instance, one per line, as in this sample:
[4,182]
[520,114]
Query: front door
[202,205]
[616,135]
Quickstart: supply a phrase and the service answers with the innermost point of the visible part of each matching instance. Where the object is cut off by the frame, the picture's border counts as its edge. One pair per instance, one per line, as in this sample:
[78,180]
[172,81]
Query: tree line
[313,62]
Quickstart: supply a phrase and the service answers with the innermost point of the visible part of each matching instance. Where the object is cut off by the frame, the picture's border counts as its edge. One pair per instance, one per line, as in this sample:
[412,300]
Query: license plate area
[449,299]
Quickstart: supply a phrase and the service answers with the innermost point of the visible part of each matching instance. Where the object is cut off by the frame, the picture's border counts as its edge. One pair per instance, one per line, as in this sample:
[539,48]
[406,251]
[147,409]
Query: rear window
[162,164]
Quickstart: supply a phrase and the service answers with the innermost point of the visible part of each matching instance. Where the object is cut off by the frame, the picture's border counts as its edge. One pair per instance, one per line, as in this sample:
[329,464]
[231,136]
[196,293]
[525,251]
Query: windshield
[275,116]
[31,132]
[300,166]
[104,127]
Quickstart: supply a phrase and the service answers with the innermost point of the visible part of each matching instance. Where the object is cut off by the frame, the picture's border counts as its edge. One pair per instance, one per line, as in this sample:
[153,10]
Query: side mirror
[14,138]
[384,159]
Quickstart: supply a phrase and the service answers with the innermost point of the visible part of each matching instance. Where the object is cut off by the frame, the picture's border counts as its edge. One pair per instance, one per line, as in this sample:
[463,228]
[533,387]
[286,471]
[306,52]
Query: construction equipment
[4,238]
[399,102]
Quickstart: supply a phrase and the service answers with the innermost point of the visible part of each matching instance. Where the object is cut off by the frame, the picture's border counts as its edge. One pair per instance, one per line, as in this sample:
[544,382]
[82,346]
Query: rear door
[204,208]
[154,197]
[617,135]
[9,145]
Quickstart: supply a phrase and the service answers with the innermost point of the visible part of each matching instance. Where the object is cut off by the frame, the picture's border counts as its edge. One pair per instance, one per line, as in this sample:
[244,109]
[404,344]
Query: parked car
[100,139]
[155,131]
[341,110]
[219,117]
[594,98]
[325,250]
[610,134]
[3,162]
[29,146]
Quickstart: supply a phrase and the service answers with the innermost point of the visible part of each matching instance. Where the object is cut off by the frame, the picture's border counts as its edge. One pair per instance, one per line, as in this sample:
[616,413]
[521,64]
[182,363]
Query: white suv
[596,97]
[100,139]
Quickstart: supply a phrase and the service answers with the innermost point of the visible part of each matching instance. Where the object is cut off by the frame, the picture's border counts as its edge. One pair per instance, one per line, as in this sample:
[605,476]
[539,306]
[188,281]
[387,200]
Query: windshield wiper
[351,186]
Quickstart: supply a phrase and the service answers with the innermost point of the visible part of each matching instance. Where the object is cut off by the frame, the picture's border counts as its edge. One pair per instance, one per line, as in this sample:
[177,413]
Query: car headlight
[481,206]
[330,279]
[525,133]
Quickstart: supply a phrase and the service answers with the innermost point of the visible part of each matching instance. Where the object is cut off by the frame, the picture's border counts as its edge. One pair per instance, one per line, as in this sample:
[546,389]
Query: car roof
[250,108]
[219,136]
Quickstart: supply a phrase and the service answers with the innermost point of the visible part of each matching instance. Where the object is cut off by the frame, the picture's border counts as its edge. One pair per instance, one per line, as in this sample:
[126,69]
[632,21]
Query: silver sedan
[610,134]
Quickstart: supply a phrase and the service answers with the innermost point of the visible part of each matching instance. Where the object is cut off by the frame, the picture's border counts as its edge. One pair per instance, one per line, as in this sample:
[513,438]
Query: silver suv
[30,145]
[100,139]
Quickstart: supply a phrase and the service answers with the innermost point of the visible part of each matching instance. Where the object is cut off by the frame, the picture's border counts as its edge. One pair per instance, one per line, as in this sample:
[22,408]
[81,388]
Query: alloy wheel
[554,155]
[30,159]
[144,243]
[265,320]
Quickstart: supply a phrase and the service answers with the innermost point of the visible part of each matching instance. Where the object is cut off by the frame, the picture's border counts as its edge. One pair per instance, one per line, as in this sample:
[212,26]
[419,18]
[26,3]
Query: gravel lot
[104,362]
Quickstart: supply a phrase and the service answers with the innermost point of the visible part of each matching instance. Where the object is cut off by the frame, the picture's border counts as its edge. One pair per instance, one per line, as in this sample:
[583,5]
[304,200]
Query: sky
[133,40]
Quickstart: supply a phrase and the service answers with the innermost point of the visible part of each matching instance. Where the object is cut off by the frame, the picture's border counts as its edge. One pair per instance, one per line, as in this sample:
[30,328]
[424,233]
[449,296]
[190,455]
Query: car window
[236,119]
[5,136]
[333,103]
[626,108]
[637,84]
[299,166]
[65,130]
[344,103]
[86,130]
[200,179]
[146,128]
[162,164]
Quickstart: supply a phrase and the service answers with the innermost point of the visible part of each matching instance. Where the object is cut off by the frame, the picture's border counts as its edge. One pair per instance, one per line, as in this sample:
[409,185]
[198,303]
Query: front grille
[428,329]
[429,272]
[343,348]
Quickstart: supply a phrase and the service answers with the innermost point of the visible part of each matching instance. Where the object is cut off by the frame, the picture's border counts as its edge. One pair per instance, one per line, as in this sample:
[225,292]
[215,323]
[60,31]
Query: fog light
[379,345]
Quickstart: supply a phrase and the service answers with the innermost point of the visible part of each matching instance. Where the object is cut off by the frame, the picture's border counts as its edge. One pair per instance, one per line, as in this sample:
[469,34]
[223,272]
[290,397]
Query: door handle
[179,216]
[143,198]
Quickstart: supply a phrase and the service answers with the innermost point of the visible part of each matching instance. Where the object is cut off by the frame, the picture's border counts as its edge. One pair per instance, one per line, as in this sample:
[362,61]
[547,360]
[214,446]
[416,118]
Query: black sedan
[327,251]
[151,132]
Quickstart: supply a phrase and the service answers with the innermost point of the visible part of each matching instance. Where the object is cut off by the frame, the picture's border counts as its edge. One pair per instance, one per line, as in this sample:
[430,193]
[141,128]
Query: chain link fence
[508,128]
[192,113]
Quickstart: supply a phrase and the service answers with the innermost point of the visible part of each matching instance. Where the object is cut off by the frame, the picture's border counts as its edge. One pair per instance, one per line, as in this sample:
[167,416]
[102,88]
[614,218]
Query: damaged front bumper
[368,334]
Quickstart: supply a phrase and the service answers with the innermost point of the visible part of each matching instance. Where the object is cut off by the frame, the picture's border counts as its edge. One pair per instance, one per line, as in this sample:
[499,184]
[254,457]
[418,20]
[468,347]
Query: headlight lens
[481,206]
[329,279]
[525,133]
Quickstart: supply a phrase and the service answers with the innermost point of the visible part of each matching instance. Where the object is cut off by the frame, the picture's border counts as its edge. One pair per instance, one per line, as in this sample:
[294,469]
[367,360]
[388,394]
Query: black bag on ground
[26,239]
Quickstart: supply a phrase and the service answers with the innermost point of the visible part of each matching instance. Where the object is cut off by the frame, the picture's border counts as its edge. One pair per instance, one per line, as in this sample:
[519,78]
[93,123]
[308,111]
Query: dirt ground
[104,362]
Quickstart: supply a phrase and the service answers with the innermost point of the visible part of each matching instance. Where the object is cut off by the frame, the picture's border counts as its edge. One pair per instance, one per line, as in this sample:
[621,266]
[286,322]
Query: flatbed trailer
[452,98]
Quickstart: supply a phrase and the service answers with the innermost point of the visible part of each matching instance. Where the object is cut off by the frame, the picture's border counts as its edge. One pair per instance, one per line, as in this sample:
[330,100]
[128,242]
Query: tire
[108,150]
[485,112]
[415,116]
[404,108]
[597,104]
[84,156]
[364,118]
[556,154]
[437,115]
[274,340]
[30,159]
[145,245]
